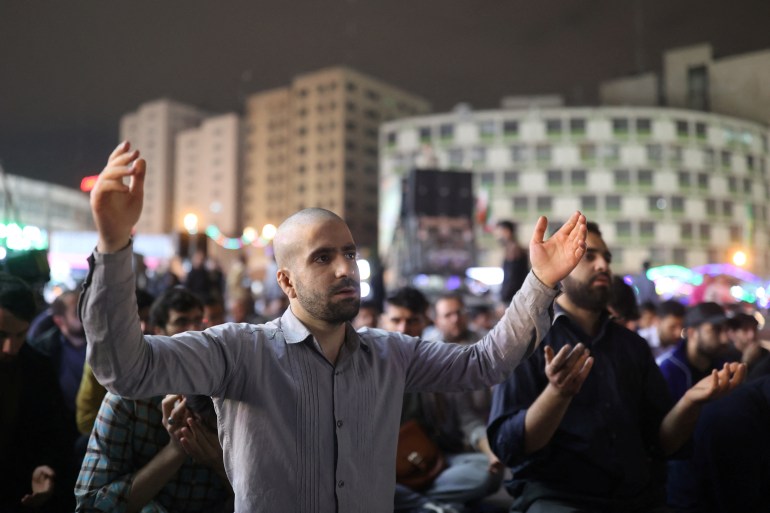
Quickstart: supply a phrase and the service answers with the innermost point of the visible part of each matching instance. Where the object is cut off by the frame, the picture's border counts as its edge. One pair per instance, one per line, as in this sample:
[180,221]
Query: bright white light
[364,269]
[249,234]
[215,207]
[739,258]
[268,231]
[365,289]
[736,291]
[661,204]
[3,253]
[486,275]
[191,223]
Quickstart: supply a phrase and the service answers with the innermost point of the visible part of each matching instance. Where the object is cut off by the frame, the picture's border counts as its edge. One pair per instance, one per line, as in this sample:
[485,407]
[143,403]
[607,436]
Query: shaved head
[292,230]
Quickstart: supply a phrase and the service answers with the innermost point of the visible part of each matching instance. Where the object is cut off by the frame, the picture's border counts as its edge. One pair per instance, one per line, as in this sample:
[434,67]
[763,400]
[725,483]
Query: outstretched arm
[678,425]
[553,259]
[116,206]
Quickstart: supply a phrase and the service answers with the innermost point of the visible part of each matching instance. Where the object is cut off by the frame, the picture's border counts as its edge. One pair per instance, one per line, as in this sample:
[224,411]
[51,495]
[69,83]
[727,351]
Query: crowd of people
[570,398]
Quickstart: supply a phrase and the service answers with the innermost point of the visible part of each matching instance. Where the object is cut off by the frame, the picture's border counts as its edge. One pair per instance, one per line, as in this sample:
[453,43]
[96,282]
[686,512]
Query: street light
[740,258]
[191,225]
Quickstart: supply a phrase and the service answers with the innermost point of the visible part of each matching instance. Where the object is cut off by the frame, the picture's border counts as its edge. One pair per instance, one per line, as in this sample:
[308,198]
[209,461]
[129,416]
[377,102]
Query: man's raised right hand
[116,206]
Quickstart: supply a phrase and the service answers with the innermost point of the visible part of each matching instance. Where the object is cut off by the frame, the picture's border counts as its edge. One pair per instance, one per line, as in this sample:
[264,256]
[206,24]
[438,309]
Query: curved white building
[665,185]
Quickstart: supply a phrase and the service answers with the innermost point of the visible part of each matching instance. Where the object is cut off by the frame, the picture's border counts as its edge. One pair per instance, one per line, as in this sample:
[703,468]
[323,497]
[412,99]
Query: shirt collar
[294,332]
[604,320]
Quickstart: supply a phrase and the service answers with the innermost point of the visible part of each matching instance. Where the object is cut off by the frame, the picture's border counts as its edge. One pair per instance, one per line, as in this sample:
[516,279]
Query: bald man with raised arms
[308,408]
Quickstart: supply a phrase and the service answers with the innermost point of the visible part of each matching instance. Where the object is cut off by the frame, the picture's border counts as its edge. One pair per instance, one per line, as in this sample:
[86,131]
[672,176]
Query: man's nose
[346,267]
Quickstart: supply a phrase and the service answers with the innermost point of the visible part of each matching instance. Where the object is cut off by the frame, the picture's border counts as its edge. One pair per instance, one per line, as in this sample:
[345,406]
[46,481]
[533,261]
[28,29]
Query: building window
[677,204]
[708,157]
[519,153]
[676,154]
[686,231]
[698,88]
[391,138]
[544,203]
[727,159]
[711,207]
[732,184]
[750,162]
[511,178]
[684,179]
[644,178]
[700,131]
[647,229]
[510,128]
[611,152]
[643,126]
[577,126]
[588,152]
[736,234]
[619,126]
[747,186]
[682,128]
[553,126]
[622,177]
[487,129]
[679,255]
[543,153]
[588,203]
[703,181]
[623,229]
[520,203]
[487,178]
[446,131]
[612,203]
[654,153]
[424,134]
[578,177]
[705,232]
[727,208]
[555,178]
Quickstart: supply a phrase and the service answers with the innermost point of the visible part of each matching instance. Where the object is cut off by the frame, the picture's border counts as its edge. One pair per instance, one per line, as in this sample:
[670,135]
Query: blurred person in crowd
[33,454]
[482,318]
[368,315]
[645,287]
[622,304]
[515,260]
[132,462]
[743,333]
[451,320]
[455,422]
[648,315]
[213,312]
[668,328]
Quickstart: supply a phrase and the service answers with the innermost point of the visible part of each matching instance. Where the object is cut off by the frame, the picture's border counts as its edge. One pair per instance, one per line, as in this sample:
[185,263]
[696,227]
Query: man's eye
[351,255]
[322,259]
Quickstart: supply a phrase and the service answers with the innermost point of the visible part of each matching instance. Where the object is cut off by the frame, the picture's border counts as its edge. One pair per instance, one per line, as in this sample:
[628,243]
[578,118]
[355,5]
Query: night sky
[70,69]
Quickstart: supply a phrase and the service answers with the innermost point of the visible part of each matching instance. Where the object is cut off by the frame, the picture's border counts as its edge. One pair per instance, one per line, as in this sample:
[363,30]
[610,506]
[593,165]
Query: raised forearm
[151,478]
[543,418]
[678,425]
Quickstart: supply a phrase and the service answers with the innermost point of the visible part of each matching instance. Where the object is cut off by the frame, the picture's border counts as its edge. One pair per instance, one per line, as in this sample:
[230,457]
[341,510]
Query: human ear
[285,282]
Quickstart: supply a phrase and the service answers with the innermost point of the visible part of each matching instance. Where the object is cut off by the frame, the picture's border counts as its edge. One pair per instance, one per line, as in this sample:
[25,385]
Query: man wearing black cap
[702,351]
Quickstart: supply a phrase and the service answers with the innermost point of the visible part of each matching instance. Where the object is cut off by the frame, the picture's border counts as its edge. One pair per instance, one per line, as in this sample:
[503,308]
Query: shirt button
[341,483]
[337,373]
[339,423]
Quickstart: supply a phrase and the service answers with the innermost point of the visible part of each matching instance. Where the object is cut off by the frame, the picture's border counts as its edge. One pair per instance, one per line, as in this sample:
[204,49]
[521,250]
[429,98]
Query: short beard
[323,309]
[585,296]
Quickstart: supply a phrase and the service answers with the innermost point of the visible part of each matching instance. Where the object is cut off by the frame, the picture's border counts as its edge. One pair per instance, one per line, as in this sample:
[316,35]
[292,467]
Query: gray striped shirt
[298,433]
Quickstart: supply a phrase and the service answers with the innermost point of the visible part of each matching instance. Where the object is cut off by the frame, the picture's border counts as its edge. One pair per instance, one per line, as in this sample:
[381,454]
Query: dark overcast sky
[70,69]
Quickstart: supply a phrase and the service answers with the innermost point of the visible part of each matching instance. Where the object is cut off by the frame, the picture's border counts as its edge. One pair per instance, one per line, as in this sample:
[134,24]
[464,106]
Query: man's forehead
[181,313]
[398,311]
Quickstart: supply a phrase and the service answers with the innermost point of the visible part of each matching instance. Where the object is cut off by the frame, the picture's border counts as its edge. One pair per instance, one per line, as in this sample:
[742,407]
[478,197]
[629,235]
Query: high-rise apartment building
[314,143]
[207,168]
[152,128]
